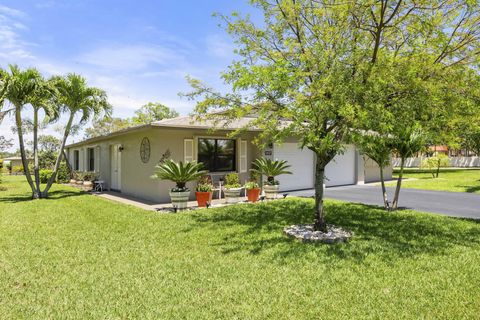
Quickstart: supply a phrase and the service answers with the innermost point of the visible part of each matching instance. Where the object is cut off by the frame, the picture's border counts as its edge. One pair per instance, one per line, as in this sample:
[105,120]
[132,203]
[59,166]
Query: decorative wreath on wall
[145,150]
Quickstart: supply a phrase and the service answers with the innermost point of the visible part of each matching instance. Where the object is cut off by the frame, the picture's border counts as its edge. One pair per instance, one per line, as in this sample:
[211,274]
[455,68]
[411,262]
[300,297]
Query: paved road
[455,204]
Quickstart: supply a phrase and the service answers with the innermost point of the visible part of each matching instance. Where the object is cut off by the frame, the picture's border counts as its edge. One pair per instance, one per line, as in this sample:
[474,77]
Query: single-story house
[14,161]
[125,160]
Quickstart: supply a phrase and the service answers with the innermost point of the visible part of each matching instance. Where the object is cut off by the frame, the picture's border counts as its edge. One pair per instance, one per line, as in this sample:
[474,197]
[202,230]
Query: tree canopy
[316,69]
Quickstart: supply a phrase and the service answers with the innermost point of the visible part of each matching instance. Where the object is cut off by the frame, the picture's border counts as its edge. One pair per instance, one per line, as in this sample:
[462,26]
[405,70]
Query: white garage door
[302,166]
[341,170]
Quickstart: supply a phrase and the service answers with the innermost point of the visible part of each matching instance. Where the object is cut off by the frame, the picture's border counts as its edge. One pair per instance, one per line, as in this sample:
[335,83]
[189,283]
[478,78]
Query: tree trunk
[26,171]
[68,164]
[438,167]
[59,157]
[320,224]
[386,204]
[399,185]
[36,169]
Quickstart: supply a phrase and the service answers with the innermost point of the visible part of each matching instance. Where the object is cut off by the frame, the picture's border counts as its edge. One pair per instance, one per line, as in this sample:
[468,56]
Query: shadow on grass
[471,189]
[386,235]
[52,195]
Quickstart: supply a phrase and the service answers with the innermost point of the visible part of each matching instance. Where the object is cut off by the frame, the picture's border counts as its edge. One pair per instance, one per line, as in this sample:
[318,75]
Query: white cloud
[219,46]
[130,57]
[11,12]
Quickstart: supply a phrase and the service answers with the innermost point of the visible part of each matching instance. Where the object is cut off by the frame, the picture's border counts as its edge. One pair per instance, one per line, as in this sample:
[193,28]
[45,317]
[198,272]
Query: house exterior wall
[136,176]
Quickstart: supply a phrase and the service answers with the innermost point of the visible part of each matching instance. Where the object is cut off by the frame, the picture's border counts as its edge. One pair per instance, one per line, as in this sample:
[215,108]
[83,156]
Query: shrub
[45,174]
[270,168]
[232,181]
[1,164]
[251,185]
[433,164]
[204,184]
[17,169]
[63,174]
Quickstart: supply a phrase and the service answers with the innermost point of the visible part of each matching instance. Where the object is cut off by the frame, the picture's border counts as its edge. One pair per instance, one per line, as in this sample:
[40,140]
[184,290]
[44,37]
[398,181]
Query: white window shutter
[188,150]
[243,156]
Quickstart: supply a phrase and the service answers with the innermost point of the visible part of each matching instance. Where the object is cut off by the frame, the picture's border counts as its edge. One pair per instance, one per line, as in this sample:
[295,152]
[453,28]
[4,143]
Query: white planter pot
[180,199]
[232,195]
[87,183]
[79,182]
[271,191]
[73,181]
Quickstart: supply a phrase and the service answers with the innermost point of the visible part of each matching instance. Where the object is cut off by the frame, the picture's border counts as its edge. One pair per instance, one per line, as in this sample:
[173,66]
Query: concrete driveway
[455,204]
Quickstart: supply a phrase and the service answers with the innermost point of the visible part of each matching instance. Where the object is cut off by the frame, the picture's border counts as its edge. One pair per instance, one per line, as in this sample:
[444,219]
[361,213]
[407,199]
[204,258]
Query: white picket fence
[461,162]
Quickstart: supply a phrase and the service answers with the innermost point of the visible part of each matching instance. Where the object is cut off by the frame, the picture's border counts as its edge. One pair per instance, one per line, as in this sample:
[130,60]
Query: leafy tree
[314,69]
[5,143]
[106,125]
[49,143]
[433,164]
[75,97]
[153,111]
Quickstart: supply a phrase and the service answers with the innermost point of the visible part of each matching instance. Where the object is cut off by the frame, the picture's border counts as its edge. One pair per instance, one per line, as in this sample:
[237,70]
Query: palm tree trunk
[59,157]
[26,171]
[399,185]
[384,190]
[70,170]
[320,224]
[36,169]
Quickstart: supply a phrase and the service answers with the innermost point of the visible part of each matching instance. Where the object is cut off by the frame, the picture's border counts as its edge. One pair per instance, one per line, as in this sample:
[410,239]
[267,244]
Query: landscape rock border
[306,233]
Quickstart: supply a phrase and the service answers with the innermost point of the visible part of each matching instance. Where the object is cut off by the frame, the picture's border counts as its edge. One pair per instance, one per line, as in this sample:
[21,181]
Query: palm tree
[18,87]
[179,172]
[270,168]
[406,142]
[41,99]
[75,97]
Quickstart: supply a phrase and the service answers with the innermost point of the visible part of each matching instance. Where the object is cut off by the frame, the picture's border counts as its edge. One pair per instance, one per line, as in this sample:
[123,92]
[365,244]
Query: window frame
[91,159]
[76,160]
[215,156]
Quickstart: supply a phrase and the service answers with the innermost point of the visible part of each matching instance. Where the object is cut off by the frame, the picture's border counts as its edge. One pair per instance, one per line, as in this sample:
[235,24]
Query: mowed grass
[83,257]
[455,180]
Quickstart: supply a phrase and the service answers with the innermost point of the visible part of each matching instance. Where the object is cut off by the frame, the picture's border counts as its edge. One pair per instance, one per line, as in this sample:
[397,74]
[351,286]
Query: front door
[115,167]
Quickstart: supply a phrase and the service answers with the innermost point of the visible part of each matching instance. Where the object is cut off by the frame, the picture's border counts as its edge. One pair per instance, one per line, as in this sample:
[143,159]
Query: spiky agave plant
[270,168]
[179,172]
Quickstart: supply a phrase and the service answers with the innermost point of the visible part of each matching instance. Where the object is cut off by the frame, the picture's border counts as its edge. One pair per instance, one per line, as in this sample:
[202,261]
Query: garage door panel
[302,165]
[341,170]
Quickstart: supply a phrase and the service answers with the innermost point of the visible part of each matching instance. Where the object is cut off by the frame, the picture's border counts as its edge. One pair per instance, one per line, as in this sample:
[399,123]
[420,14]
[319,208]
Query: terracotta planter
[253,194]
[271,191]
[180,199]
[203,198]
[232,195]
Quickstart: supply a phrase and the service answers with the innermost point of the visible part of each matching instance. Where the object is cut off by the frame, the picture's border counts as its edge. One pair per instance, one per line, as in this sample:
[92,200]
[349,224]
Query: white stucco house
[126,159]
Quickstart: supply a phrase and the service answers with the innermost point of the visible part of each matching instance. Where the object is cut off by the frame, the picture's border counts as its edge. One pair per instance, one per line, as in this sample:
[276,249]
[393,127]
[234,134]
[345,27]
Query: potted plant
[271,169]
[232,187]
[252,187]
[73,179]
[180,173]
[204,191]
[88,179]
[80,177]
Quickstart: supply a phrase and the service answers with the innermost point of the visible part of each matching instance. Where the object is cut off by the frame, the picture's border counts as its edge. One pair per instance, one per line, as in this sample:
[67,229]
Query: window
[217,154]
[91,159]
[76,160]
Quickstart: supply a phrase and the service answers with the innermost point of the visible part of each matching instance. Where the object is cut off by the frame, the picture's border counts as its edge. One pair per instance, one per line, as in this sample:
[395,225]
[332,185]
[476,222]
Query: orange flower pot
[203,198]
[253,194]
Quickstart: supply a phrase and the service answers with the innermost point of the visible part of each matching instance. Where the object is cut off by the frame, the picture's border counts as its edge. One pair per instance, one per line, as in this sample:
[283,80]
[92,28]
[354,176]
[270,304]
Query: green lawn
[456,180]
[79,256]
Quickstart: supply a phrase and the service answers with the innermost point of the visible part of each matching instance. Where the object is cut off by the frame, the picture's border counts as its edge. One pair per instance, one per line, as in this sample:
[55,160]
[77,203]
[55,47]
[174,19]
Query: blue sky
[138,51]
